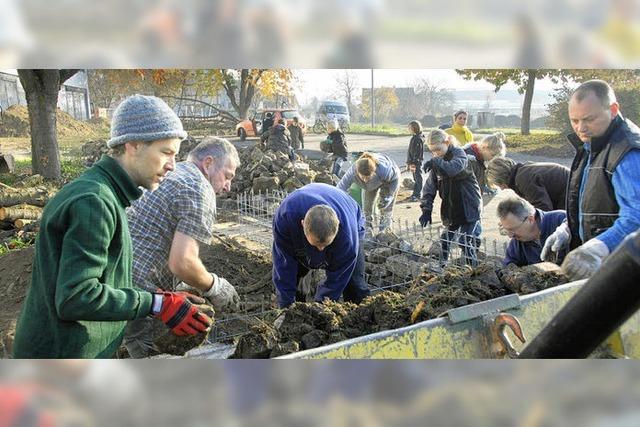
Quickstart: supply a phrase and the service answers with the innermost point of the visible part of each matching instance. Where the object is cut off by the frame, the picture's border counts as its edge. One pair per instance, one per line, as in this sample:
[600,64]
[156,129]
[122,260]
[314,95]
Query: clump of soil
[309,325]
[529,279]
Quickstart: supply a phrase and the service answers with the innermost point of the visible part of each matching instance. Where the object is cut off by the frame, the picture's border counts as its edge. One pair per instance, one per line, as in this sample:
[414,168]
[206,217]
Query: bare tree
[434,99]
[347,86]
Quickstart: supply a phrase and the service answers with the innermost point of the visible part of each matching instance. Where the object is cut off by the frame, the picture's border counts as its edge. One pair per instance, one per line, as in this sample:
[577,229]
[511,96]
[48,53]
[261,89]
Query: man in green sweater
[81,293]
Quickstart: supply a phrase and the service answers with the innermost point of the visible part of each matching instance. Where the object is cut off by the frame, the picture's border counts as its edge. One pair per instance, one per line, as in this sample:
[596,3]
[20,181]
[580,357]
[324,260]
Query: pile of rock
[387,261]
[263,170]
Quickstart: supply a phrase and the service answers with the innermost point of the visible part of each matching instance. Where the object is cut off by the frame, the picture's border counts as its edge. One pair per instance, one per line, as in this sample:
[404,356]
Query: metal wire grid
[410,249]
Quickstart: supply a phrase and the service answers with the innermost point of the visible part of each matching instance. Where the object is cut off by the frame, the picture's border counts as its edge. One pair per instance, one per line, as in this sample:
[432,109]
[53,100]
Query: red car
[253,126]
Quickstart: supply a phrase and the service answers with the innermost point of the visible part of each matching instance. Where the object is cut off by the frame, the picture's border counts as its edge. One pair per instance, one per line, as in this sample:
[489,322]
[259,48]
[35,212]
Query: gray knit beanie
[144,118]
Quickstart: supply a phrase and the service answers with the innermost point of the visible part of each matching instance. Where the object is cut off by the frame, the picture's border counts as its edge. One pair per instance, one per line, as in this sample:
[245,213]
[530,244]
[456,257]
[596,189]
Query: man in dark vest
[603,195]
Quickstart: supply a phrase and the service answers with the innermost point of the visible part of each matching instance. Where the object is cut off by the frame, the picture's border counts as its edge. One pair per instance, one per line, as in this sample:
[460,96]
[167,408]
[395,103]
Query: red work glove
[180,314]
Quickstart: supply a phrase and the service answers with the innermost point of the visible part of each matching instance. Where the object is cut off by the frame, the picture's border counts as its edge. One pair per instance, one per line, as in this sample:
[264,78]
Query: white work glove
[222,295]
[558,240]
[583,262]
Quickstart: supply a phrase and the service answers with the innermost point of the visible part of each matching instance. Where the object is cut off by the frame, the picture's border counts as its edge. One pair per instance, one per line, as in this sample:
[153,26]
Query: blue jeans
[469,241]
[417,178]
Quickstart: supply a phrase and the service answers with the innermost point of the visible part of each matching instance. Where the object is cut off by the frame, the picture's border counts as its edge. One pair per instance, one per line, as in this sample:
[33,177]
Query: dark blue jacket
[452,177]
[526,253]
[291,247]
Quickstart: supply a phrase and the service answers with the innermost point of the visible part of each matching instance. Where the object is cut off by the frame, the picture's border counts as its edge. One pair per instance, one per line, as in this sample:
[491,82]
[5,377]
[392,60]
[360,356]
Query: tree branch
[223,113]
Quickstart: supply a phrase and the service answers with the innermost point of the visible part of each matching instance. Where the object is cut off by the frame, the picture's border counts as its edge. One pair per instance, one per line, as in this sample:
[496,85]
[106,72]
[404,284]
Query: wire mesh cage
[395,258]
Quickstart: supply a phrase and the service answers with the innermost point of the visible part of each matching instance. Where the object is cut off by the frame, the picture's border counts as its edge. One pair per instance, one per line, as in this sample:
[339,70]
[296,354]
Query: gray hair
[496,145]
[438,138]
[332,125]
[499,171]
[322,222]
[516,206]
[218,148]
[601,89]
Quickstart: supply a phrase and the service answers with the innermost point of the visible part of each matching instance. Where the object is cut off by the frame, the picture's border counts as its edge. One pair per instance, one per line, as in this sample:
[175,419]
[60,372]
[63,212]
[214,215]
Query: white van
[332,110]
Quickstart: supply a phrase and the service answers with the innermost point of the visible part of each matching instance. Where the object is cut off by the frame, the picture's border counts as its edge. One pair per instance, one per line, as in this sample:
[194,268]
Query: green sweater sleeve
[80,293]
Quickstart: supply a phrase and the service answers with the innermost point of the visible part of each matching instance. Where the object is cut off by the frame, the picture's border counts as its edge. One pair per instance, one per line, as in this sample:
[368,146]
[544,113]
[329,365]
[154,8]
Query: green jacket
[81,292]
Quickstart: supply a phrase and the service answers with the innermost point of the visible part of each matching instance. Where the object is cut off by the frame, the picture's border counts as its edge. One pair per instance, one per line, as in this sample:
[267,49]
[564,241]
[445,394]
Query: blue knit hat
[144,118]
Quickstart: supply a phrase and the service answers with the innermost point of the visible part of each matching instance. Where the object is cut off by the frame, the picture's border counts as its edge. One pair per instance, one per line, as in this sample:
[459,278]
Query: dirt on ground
[248,271]
[15,123]
[15,278]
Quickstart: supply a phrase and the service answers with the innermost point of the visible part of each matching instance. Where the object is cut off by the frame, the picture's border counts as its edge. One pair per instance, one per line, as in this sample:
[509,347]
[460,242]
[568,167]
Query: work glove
[558,240]
[425,218]
[583,262]
[180,313]
[222,295]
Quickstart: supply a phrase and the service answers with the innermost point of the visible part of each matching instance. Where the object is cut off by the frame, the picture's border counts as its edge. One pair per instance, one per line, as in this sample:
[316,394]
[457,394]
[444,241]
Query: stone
[260,170]
[282,176]
[256,155]
[305,177]
[7,164]
[285,348]
[408,183]
[324,178]
[386,237]
[301,167]
[292,184]
[379,255]
[288,167]
[265,183]
[313,339]
[404,268]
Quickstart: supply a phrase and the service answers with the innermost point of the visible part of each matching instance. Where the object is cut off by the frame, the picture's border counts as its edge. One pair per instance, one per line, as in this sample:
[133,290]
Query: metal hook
[499,325]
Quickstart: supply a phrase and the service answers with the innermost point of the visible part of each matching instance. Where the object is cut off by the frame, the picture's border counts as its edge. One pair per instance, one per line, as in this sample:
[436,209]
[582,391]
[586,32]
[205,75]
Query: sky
[319,82]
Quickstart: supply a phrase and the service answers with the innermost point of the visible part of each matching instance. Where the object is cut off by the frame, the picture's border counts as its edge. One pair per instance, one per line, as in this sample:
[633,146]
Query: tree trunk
[31,196]
[525,124]
[20,212]
[20,223]
[41,90]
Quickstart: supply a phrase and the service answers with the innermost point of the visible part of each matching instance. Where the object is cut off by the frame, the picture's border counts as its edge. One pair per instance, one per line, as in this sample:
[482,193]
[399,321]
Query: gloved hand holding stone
[558,240]
[222,295]
[583,262]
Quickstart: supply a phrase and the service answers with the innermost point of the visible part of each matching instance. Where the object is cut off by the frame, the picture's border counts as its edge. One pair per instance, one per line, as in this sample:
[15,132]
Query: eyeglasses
[506,232]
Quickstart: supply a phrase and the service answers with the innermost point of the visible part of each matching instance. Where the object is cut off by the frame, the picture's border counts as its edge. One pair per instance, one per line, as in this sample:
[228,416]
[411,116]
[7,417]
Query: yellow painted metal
[441,339]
